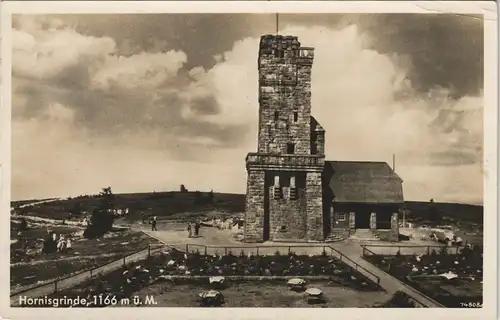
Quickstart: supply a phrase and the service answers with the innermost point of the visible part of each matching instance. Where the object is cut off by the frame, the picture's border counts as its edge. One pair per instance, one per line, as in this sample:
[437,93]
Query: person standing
[68,244]
[153,224]
[197,229]
[189,230]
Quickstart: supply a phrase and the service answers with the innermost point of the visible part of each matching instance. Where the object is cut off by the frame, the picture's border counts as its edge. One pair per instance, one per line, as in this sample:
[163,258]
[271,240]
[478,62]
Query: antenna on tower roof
[277,23]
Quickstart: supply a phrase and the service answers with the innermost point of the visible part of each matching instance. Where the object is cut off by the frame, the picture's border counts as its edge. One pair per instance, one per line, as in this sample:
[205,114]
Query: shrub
[401,300]
[443,251]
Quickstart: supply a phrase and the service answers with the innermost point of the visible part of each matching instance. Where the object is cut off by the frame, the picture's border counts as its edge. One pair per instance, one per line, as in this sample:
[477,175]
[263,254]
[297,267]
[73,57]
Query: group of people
[194,229]
[62,243]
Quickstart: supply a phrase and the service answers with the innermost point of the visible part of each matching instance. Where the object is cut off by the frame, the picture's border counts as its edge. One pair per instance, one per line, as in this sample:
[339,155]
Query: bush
[102,218]
[400,300]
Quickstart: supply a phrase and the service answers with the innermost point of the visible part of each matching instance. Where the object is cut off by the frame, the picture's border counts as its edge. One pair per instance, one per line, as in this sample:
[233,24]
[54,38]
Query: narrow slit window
[295,116]
[293,189]
[290,148]
[276,115]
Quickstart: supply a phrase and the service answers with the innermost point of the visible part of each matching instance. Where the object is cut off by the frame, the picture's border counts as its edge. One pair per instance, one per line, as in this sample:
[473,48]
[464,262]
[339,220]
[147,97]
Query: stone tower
[284,184]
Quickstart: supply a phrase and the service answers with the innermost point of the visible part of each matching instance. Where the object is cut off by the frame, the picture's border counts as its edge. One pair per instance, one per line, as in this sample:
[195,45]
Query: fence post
[149,250]
[289,250]
[55,286]
[257,250]
[428,250]
[205,250]
[90,274]
[225,251]
[124,264]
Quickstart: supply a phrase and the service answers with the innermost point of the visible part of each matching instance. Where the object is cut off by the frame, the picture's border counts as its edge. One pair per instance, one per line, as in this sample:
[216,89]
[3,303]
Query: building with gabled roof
[293,194]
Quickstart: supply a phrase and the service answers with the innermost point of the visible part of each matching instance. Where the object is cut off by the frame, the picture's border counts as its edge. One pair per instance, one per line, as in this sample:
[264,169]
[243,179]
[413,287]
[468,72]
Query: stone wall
[284,97]
[254,207]
[386,235]
[314,206]
[287,216]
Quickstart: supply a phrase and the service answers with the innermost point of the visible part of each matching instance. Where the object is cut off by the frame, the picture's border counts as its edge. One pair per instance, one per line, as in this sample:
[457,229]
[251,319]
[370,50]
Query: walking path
[392,285]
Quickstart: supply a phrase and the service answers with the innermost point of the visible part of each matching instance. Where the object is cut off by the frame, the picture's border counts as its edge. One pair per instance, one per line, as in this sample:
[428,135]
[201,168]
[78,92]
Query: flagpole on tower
[277,23]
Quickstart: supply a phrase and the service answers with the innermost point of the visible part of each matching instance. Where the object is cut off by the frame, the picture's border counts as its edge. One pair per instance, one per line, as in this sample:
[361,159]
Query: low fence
[85,275]
[374,249]
[283,250]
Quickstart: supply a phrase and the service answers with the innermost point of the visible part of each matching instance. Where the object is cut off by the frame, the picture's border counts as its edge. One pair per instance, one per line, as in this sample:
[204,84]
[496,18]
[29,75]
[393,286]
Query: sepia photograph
[261,158]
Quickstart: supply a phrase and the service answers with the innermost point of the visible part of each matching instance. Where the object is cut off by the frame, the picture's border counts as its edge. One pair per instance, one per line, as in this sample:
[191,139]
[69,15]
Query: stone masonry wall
[284,97]
[286,212]
[314,207]
[254,207]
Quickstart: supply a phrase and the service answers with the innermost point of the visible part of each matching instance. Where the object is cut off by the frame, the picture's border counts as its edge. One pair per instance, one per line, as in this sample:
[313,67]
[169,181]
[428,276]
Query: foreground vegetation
[450,279]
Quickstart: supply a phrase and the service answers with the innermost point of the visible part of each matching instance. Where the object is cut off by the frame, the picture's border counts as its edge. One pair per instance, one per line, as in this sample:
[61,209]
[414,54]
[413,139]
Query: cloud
[146,121]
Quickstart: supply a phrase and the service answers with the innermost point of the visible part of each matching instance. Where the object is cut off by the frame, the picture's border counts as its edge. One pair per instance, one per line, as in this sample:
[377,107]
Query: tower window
[279,54]
[276,115]
[292,193]
[290,148]
[295,116]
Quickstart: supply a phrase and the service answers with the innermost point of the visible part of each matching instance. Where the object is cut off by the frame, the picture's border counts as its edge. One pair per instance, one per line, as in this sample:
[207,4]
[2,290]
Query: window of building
[276,115]
[276,181]
[342,216]
[283,228]
[277,192]
[295,116]
[293,189]
[279,54]
[290,148]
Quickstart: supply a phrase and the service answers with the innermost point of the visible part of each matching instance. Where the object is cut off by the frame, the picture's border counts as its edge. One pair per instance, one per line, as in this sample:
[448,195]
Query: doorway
[265,228]
[384,220]
[362,221]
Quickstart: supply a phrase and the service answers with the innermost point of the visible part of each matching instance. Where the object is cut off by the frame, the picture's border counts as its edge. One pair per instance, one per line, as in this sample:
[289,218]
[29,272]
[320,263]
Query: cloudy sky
[147,102]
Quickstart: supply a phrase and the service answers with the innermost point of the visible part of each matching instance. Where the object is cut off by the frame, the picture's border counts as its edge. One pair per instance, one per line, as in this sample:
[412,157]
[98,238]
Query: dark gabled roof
[364,182]
[315,126]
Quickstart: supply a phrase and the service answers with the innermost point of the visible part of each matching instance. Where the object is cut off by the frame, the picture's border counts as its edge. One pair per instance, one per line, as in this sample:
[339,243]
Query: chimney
[394,162]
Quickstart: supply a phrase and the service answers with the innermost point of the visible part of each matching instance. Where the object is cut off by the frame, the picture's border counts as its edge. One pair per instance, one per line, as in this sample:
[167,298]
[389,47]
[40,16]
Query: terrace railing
[374,249]
[284,160]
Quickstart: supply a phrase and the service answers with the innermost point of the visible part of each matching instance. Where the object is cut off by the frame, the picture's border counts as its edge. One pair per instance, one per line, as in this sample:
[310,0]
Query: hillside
[449,211]
[173,203]
[161,204]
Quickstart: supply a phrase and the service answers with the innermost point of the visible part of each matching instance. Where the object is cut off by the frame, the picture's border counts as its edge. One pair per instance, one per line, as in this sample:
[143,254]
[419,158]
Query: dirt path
[388,282]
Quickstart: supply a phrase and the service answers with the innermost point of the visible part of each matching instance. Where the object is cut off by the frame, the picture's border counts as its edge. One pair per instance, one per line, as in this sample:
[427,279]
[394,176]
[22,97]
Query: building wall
[287,217]
[254,206]
[314,194]
[284,97]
